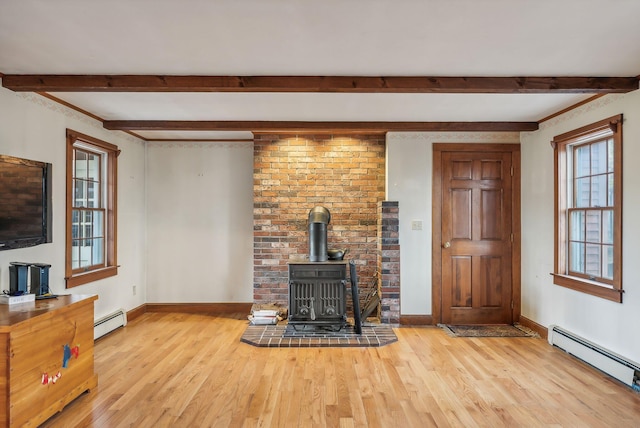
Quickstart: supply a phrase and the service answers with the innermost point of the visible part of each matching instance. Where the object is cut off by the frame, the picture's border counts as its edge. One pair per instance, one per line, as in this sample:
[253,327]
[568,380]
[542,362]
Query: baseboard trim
[538,328]
[190,308]
[195,308]
[416,320]
[136,312]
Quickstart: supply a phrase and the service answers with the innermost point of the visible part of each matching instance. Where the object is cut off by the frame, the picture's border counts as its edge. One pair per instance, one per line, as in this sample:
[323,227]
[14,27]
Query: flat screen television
[25,202]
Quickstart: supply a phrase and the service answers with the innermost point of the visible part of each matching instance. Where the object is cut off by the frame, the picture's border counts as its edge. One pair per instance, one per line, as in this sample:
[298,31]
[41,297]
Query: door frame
[436,232]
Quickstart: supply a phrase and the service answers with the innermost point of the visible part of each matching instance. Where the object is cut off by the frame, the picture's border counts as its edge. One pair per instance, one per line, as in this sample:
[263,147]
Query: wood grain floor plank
[191,370]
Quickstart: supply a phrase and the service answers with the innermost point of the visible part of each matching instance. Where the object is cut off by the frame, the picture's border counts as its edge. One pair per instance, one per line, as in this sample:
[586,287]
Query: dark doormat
[284,336]
[515,330]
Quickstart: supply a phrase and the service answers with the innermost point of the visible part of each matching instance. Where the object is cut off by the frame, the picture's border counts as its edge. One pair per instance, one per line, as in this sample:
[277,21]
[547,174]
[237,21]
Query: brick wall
[389,262]
[292,174]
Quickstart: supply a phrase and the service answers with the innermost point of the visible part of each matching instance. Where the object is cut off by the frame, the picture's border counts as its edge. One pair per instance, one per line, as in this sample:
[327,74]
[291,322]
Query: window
[91,209]
[588,221]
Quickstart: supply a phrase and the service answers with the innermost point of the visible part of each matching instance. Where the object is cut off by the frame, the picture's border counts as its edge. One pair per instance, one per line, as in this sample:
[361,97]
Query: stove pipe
[319,218]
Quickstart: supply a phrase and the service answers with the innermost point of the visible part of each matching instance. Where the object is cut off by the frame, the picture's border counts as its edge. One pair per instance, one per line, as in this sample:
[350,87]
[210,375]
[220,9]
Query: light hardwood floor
[191,370]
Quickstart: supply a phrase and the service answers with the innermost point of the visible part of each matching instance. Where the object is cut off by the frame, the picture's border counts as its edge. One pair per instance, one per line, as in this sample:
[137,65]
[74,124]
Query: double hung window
[588,223]
[91,209]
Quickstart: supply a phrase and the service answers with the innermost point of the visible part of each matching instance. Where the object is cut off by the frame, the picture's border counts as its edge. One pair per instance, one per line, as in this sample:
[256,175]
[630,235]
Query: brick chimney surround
[346,174]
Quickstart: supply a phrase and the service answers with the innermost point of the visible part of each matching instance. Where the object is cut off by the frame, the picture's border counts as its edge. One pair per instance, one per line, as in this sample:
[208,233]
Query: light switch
[416,224]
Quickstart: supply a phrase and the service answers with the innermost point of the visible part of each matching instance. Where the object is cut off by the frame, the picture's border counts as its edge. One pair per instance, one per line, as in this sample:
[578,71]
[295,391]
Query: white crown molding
[459,137]
[583,109]
[200,145]
[70,113]
[572,114]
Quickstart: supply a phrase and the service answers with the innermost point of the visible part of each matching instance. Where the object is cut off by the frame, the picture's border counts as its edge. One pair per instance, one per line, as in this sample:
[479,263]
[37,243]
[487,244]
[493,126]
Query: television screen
[25,202]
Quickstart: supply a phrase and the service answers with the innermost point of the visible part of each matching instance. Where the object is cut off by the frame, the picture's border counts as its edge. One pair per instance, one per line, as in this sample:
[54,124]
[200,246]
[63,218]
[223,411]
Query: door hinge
[511,236]
[512,304]
[512,170]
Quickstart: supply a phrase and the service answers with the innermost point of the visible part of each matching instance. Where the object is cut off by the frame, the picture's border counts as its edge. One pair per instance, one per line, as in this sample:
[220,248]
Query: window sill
[589,287]
[94,275]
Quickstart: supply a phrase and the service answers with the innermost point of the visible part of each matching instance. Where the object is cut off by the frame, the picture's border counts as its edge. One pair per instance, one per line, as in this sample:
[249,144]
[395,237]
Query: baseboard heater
[108,323]
[623,369]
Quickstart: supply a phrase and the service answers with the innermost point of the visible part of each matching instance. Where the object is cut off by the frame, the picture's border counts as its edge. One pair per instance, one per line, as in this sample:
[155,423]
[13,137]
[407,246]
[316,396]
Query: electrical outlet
[416,224]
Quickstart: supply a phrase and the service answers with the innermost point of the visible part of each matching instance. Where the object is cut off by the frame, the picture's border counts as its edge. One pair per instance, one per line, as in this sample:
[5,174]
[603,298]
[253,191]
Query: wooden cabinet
[49,357]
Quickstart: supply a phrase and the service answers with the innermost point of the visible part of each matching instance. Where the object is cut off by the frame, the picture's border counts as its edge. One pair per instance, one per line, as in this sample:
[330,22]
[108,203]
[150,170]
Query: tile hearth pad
[285,336]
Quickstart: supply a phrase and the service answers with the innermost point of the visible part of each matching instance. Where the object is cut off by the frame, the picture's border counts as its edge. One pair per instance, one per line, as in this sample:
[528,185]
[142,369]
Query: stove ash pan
[317,294]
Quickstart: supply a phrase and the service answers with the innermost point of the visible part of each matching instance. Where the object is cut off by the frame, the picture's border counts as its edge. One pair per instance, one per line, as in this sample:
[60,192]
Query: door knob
[446,244]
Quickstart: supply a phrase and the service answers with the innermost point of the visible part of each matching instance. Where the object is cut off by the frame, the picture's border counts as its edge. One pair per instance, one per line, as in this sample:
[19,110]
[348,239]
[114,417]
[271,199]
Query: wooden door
[476,242]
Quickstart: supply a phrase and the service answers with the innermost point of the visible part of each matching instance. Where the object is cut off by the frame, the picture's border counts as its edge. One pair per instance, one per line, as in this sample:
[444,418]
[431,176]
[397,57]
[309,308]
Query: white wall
[409,181]
[200,222]
[34,127]
[609,324]
[185,211]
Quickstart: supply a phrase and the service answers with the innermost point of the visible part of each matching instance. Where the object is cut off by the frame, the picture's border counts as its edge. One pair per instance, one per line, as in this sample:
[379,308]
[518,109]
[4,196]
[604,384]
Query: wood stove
[317,294]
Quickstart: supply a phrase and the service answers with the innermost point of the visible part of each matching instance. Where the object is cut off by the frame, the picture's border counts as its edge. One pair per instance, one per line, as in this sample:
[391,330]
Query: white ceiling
[320,38]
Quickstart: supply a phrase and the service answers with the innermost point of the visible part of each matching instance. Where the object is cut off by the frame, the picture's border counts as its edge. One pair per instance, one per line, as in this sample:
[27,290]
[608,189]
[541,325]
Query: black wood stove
[317,294]
[318,287]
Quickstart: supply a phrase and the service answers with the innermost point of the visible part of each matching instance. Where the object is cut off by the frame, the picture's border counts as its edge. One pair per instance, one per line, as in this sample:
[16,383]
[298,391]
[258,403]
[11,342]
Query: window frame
[76,277]
[610,290]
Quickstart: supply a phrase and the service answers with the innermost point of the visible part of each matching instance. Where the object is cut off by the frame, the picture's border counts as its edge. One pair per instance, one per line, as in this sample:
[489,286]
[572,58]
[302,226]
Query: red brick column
[389,262]
[294,173]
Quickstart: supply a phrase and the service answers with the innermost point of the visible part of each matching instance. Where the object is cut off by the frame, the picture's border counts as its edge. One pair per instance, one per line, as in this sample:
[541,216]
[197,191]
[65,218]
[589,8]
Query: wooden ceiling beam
[296,126]
[340,84]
